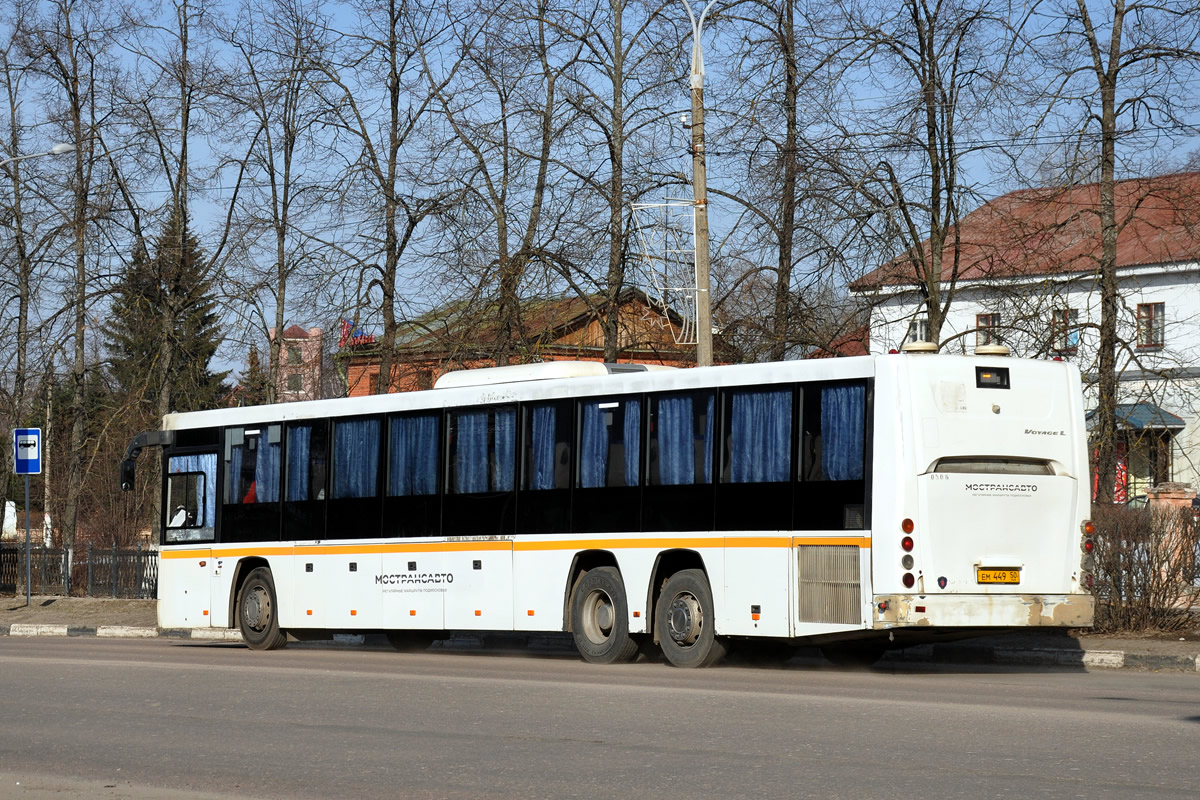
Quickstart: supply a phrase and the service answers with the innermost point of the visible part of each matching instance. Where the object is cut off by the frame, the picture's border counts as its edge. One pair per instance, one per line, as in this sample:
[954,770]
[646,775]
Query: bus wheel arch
[240,573]
[258,611]
[667,564]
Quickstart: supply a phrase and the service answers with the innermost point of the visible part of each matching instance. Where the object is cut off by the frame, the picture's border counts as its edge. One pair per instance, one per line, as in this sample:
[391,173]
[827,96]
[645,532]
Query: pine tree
[254,385]
[163,331]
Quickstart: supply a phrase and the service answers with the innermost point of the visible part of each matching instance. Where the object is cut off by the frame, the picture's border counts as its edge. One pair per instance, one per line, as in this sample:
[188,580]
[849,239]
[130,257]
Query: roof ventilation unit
[919,347]
[992,350]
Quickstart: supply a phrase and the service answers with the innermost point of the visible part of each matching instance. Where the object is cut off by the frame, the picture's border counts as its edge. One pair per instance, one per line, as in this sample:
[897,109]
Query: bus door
[186,564]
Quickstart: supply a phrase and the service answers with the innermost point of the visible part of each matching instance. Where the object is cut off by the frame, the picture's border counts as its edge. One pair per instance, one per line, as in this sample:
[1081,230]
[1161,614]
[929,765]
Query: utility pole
[704,344]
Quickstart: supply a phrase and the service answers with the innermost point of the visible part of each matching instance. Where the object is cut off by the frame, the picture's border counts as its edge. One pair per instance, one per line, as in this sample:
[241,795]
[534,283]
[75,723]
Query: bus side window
[833,432]
[681,433]
[482,450]
[252,465]
[413,445]
[307,460]
[547,449]
[191,501]
[610,443]
[356,458]
[758,436]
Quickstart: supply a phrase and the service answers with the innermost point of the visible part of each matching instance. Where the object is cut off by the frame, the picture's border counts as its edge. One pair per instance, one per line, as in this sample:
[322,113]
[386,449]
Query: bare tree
[1115,83]
[376,104]
[274,86]
[621,88]
[502,104]
[932,74]
[67,43]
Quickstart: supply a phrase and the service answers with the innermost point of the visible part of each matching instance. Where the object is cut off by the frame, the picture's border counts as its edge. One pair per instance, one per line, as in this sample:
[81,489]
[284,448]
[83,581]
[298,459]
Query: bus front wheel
[600,618]
[258,615]
[683,621]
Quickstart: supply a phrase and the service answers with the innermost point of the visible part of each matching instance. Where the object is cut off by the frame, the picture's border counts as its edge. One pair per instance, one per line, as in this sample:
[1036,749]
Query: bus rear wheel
[258,616]
[600,618]
[683,621]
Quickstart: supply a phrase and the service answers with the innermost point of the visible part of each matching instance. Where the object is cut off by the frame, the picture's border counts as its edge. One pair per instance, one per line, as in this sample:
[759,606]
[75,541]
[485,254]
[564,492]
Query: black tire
[410,641]
[600,618]
[858,655]
[683,620]
[258,612]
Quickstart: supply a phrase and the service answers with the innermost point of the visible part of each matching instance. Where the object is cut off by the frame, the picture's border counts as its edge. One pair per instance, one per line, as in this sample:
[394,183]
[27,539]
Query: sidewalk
[89,616]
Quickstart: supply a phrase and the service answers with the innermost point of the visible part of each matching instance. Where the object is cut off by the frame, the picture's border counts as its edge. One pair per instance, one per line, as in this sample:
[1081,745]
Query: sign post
[27,460]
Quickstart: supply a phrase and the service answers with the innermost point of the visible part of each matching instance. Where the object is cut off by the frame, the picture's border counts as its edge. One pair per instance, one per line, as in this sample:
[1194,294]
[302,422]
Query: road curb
[945,653]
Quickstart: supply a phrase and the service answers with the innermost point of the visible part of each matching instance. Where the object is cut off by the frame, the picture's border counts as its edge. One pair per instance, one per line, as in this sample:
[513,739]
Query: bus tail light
[1087,545]
[907,544]
[909,580]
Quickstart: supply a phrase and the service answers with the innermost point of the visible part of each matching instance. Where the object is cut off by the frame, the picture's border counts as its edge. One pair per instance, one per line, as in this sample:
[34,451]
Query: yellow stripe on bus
[526,545]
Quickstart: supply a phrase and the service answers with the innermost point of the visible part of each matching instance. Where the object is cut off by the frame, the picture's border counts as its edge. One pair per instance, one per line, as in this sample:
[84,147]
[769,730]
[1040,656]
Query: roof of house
[544,320]
[295,332]
[1057,231]
[1143,416]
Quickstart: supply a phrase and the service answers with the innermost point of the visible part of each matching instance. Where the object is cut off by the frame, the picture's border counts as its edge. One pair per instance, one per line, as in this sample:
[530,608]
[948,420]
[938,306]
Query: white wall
[1025,307]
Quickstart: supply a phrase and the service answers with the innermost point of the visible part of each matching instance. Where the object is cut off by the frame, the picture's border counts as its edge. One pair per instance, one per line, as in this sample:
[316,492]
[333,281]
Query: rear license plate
[998,576]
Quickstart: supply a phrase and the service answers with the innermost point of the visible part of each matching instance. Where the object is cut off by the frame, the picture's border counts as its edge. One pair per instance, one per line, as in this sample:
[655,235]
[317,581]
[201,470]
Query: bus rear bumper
[984,610]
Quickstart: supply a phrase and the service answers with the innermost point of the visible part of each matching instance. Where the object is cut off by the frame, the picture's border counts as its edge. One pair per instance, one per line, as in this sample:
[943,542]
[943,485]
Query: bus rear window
[993,465]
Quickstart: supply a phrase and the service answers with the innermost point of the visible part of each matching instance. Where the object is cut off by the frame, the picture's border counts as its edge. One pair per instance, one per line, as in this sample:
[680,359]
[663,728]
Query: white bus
[852,503]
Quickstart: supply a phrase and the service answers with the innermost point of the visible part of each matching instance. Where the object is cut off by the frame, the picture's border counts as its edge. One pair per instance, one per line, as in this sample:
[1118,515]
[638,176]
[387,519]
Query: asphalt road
[157,718]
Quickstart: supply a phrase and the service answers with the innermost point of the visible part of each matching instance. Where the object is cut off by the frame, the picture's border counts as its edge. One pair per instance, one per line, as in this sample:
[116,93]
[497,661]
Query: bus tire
[600,618]
[410,641]
[258,612]
[683,620]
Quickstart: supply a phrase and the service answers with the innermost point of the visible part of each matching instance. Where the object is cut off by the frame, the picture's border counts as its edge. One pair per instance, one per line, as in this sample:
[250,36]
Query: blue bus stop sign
[27,451]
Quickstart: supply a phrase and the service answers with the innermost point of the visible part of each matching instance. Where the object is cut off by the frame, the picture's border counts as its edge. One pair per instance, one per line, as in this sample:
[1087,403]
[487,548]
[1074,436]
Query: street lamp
[57,150]
[704,343]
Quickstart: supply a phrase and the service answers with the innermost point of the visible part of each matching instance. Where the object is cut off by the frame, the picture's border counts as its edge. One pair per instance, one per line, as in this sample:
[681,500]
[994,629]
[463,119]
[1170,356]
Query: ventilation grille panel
[830,590]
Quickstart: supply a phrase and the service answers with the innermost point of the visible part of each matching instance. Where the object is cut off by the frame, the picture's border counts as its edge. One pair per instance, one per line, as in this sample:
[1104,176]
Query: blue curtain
[413,456]
[676,443]
[299,439]
[205,463]
[542,441]
[471,452]
[633,441]
[233,476]
[593,447]
[504,466]
[760,436]
[706,441]
[843,418]
[266,469]
[355,458]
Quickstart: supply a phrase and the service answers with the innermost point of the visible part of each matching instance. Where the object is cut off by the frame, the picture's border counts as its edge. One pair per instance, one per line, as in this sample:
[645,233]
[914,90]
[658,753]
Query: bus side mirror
[128,468]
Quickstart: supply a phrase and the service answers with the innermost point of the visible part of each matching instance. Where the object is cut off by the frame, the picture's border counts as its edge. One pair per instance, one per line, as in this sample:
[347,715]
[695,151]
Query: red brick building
[553,329]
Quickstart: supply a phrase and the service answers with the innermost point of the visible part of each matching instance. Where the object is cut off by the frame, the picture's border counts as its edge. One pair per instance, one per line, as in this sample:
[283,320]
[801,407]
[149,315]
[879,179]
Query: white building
[1027,276]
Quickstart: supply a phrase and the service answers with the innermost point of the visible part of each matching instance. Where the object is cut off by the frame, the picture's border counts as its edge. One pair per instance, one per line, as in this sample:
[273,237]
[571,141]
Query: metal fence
[94,572]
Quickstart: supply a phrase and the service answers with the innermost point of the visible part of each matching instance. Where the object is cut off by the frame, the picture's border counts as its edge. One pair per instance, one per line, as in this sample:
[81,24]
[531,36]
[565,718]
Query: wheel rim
[599,616]
[256,609]
[685,619]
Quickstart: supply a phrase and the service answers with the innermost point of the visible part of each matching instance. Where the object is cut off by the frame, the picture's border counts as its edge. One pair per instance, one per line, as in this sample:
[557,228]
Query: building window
[295,382]
[918,331]
[1064,330]
[987,329]
[1150,318]
[295,358]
